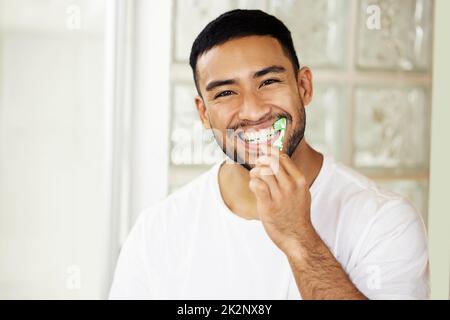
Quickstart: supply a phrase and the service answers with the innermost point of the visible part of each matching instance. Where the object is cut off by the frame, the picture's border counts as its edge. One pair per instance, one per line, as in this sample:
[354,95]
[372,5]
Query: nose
[252,109]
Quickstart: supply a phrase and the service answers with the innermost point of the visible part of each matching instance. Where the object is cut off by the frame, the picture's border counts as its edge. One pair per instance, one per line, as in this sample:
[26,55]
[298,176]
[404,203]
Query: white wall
[150,107]
[54,151]
[84,106]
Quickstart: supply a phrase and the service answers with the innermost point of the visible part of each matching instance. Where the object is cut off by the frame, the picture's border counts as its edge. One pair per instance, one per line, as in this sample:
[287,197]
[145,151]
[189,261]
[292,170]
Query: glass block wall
[371,61]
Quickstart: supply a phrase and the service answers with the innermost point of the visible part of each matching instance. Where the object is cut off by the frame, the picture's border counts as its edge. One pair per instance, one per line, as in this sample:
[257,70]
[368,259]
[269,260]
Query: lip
[254,147]
[262,126]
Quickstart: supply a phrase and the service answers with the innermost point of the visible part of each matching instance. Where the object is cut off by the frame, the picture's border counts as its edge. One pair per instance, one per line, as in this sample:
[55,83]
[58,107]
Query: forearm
[317,272]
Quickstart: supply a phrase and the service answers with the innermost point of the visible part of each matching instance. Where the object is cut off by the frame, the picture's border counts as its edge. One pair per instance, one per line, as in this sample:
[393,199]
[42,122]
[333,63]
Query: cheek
[283,98]
[223,114]
[287,100]
[220,117]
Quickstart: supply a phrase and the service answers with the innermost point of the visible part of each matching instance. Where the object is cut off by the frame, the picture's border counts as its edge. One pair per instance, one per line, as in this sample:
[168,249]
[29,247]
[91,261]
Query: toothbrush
[280,125]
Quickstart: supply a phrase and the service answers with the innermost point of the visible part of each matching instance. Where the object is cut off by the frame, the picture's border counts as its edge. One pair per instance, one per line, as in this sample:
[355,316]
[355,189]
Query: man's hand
[283,204]
[283,199]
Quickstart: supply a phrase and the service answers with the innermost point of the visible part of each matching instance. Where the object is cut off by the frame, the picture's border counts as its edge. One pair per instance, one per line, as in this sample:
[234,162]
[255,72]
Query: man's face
[247,84]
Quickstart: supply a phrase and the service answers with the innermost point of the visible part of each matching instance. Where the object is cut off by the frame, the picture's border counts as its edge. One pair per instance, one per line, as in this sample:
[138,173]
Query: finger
[292,171]
[286,171]
[276,168]
[269,161]
[265,173]
[261,190]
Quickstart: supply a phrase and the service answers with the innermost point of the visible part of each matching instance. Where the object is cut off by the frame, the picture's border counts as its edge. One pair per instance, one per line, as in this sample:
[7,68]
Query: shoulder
[368,212]
[367,199]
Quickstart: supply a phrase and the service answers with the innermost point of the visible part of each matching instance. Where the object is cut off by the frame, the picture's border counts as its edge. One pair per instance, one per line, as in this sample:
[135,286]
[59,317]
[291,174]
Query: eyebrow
[218,83]
[271,69]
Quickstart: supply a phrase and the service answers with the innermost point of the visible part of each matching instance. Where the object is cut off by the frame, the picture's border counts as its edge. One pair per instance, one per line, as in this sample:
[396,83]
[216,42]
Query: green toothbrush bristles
[280,125]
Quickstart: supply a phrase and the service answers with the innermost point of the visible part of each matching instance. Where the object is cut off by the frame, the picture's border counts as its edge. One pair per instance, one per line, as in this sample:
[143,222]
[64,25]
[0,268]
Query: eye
[269,81]
[224,94]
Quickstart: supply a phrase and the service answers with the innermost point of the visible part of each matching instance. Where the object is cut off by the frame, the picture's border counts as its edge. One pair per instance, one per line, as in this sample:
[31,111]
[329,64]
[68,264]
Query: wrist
[301,243]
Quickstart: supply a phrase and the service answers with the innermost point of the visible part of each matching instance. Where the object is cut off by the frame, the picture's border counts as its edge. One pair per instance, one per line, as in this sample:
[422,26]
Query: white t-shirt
[191,246]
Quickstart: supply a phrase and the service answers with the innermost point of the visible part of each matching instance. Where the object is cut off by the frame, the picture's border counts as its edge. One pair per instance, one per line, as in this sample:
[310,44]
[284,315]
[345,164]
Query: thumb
[261,191]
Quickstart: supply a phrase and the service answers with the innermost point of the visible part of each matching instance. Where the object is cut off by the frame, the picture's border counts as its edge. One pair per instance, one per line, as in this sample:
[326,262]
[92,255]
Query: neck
[234,180]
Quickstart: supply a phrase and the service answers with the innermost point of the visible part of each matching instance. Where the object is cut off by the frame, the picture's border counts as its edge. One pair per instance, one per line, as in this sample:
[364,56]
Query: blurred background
[97,120]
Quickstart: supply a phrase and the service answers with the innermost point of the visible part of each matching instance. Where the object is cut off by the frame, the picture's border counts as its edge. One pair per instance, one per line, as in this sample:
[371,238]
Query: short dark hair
[240,23]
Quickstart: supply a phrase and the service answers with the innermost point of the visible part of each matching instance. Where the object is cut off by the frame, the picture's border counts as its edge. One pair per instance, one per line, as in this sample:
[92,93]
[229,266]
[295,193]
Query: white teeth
[260,136]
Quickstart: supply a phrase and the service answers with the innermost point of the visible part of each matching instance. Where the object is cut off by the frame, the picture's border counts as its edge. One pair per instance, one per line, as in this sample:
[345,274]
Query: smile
[267,135]
[258,137]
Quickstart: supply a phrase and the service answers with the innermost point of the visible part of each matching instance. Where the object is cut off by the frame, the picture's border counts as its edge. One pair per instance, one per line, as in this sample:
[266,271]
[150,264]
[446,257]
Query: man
[269,225]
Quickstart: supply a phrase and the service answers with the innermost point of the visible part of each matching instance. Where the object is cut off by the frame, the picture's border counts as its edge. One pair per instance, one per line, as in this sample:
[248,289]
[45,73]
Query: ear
[202,112]
[305,85]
